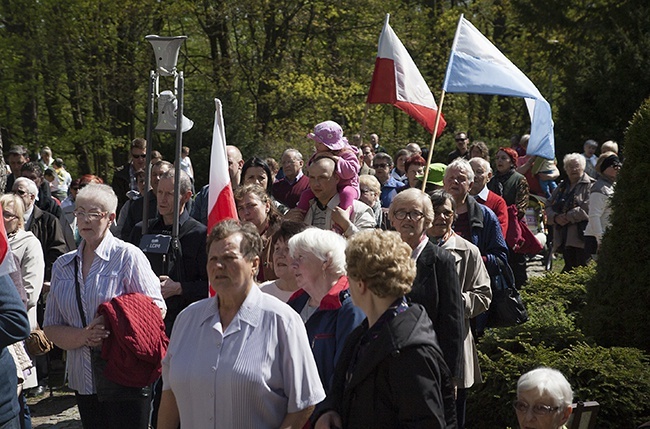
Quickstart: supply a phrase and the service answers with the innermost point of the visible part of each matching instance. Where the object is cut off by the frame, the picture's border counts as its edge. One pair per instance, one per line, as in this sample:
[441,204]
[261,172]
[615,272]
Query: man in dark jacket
[124,179]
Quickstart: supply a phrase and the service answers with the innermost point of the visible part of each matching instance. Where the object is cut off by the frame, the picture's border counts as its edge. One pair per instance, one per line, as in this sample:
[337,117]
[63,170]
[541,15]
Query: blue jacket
[329,326]
[487,235]
[14,327]
[388,191]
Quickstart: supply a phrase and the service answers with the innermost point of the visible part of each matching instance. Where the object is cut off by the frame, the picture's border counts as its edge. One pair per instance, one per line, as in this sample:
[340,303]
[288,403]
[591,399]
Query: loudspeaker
[167,106]
[166,50]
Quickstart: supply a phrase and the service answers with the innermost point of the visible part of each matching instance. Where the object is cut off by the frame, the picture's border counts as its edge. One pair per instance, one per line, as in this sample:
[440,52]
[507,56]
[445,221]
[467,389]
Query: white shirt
[271,287]
[117,269]
[248,376]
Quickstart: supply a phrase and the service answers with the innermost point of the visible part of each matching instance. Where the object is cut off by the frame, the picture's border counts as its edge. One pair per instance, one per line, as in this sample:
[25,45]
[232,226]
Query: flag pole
[363,122]
[433,141]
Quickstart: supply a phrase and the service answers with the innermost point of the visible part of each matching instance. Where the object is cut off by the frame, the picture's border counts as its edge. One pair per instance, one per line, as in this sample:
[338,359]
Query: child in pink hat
[329,141]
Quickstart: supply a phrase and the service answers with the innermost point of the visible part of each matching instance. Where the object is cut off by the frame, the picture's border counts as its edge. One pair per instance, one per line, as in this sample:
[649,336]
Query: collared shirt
[483,195]
[294,181]
[418,250]
[250,374]
[118,268]
[28,216]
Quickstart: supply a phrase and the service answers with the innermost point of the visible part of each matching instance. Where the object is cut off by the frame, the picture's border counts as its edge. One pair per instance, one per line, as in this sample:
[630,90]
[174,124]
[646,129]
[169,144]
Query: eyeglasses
[461,140]
[89,216]
[382,165]
[414,215]
[367,191]
[20,192]
[139,156]
[538,409]
[443,213]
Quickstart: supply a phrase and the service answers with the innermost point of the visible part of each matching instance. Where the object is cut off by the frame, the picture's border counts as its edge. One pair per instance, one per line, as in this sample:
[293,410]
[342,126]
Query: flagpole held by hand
[433,141]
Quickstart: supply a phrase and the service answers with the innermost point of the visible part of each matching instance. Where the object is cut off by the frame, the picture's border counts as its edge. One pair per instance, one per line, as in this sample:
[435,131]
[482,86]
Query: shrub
[618,378]
[618,297]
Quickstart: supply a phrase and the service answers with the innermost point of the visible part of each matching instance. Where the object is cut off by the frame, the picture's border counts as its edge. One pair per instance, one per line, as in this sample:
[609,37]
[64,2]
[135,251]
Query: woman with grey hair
[568,212]
[102,268]
[323,301]
[544,399]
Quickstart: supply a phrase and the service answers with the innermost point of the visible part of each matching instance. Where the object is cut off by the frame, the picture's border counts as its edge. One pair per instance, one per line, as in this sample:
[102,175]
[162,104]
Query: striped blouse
[118,268]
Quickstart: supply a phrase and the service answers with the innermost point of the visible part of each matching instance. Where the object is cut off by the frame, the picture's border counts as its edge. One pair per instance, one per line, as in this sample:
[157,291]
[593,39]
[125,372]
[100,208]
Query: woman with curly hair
[391,372]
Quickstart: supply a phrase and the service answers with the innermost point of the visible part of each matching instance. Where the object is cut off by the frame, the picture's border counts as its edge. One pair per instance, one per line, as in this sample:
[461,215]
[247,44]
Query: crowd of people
[388,286]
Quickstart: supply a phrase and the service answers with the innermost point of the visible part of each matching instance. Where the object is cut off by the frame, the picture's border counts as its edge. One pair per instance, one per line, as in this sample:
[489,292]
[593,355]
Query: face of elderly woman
[574,170]
[412,173]
[9,217]
[457,183]
[228,269]
[252,209]
[92,220]
[539,412]
[408,219]
[308,270]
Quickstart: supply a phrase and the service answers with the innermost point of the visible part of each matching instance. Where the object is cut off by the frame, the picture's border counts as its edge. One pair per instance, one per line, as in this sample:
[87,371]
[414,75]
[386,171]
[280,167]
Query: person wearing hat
[589,153]
[434,178]
[330,143]
[602,191]
[513,188]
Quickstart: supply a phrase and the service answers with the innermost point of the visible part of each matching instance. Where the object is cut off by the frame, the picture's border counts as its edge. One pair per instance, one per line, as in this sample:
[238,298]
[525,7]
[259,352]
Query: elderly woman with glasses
[102,268]
[544,399]
[436,284]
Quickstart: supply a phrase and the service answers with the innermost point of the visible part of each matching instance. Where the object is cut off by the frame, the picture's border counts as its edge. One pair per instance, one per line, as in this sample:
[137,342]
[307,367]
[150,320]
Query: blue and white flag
[477,66]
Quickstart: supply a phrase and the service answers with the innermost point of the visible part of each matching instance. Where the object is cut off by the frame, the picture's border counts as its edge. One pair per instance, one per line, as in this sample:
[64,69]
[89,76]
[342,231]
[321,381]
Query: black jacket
[187,265]
[436,287]
[135,214]
[121,184]
[401,380]
[49,232]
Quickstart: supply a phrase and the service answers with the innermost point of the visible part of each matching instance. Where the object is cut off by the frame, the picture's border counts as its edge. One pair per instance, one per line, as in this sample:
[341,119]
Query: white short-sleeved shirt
[251,375]
[117,269]
[271,287]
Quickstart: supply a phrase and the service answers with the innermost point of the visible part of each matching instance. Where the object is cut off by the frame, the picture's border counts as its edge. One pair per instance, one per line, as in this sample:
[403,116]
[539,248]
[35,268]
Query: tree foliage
[75,74]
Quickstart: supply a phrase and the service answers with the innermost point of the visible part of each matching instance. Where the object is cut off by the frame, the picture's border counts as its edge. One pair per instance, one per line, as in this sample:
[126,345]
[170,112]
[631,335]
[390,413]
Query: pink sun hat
[330,134]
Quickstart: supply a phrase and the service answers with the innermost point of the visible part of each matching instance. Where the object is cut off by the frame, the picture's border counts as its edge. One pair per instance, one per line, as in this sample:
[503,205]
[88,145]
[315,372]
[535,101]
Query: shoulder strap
[78,291]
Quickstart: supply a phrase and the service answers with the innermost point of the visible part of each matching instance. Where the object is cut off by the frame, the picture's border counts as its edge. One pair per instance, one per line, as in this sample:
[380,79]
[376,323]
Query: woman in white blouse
[238,359]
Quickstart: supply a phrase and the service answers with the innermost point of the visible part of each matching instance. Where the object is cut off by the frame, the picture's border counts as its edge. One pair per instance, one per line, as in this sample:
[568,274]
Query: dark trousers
[517,262]
[132,414]
[461,400]
[574,257]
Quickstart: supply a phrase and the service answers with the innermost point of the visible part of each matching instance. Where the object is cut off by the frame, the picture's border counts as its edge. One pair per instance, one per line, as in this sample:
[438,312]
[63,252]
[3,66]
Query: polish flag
[397,81]
[221,203]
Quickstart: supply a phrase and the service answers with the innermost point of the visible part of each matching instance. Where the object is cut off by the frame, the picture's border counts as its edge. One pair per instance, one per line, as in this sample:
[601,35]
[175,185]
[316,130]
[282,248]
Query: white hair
[462,165]
[322,244]
[482,163]
[575,157]
[29,184]
[550,381]
[293,151]
[102,195]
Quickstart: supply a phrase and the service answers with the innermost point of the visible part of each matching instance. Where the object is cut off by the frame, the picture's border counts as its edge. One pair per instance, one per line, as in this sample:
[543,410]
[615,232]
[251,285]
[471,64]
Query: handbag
[106,389]
[519,237]
[37,344]
[507,307]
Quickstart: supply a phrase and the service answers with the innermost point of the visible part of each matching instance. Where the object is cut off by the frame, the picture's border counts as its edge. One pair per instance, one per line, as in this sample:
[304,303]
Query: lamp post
[170,116]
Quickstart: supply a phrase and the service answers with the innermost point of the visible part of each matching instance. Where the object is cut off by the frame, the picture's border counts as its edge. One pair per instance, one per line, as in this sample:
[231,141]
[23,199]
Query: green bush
[618,296]
[618,378]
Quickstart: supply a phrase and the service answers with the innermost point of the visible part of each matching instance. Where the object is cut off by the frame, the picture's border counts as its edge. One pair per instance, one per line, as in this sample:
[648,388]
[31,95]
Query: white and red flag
[221,203]
[397,81]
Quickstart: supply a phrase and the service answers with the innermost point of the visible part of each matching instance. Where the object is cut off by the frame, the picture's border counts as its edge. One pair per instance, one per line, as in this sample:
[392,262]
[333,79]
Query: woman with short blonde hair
[391,372]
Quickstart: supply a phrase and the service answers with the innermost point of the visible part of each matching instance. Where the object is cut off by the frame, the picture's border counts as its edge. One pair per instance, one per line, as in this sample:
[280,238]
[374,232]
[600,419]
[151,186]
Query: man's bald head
[235,164]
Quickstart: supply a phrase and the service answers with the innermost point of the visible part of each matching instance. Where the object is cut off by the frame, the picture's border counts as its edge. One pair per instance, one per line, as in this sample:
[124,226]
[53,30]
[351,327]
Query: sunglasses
[139,156]
[20,192]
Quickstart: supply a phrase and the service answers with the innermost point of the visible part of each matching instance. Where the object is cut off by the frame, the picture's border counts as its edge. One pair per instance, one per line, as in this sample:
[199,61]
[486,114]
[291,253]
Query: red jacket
[498,205]
[137,341]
